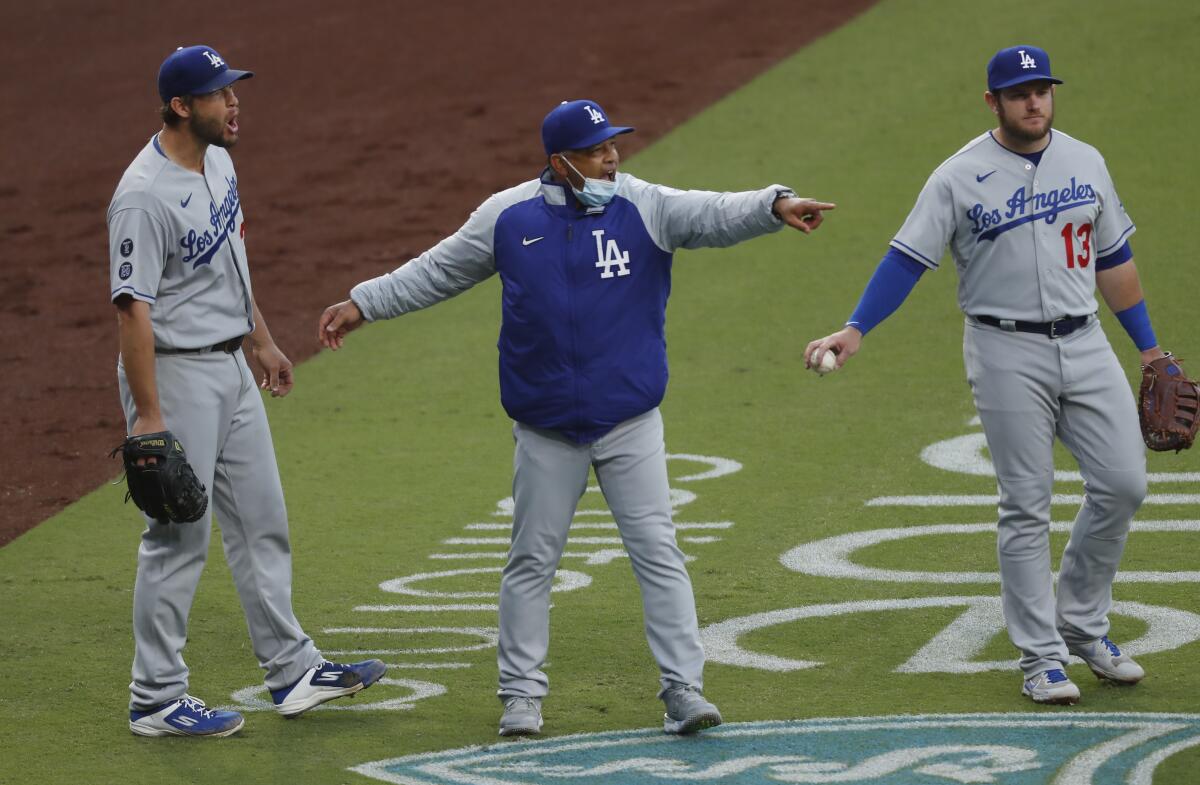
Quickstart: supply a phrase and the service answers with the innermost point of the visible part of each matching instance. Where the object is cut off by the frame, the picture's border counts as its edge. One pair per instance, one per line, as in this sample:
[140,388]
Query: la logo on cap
[597,118]
[217,62]
[1027,61]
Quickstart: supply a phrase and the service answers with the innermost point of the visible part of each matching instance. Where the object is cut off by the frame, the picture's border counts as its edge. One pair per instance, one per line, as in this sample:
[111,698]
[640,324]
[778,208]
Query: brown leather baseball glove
[1168,406]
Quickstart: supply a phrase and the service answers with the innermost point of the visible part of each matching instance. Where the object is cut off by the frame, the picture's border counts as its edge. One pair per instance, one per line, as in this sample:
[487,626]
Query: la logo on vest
[215,60]
[1026,60]
[609,256]
[593,113]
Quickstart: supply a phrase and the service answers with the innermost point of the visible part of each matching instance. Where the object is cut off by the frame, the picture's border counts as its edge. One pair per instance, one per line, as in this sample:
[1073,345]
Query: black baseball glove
[1168,405]
[163,484]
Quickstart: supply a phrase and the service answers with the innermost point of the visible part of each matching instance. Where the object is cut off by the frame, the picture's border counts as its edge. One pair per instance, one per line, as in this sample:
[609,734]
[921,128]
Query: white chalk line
[983,500]
[832,557]
[607,525]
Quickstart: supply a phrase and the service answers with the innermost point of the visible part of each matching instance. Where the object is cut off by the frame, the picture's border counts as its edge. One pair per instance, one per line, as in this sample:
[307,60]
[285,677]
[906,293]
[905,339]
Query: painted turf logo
[1006,749]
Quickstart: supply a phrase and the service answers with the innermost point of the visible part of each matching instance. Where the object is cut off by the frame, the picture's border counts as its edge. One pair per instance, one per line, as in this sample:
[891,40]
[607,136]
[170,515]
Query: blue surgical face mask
[595,193]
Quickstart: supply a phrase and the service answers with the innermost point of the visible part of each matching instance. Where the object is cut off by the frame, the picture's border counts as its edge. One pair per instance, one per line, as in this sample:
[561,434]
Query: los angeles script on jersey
[198,248]
[1023,207]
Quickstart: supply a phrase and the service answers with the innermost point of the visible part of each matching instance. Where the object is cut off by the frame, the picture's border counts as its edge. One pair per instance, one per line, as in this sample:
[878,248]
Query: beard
[211,131]
[1015,130]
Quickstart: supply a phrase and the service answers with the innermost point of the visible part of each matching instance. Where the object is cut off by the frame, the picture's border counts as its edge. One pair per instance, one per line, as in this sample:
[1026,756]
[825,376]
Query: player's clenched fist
[844,344]
[336,321]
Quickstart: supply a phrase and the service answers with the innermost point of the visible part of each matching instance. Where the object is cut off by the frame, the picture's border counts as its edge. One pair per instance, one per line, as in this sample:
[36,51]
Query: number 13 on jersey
[1084,233]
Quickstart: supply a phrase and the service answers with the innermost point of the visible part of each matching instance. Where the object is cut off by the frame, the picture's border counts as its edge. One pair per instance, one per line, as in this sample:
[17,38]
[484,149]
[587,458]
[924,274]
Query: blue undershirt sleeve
[1117,257]
[1136,321]
[891,284]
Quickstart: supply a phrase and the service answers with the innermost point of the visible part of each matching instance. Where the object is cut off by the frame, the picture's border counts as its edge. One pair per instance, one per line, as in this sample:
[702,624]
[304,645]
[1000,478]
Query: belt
[229,347]
[1055,329]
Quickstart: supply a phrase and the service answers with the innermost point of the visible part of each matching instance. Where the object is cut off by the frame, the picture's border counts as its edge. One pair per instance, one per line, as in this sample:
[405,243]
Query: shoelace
[1112,647]
[528,703]
[1055,676]
[197,705]
[685,695]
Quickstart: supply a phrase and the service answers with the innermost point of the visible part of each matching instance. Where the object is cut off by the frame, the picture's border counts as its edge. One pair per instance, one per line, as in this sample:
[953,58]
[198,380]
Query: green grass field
[398,442]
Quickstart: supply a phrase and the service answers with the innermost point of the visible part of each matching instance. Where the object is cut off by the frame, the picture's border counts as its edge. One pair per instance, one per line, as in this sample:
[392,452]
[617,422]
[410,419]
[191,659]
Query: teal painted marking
[1065,748]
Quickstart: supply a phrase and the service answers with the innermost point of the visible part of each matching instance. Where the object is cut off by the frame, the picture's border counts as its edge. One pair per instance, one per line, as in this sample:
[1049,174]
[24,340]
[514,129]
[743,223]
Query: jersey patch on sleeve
[125,270]
[126,247]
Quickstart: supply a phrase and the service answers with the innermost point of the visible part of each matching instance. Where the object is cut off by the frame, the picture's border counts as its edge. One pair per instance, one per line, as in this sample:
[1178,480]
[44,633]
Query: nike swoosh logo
[979,178]
[527,241]
[184,202]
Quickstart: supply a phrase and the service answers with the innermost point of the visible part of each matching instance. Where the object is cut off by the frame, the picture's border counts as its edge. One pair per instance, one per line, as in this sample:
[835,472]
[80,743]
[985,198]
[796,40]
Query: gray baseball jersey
[1024,237]
[176,242]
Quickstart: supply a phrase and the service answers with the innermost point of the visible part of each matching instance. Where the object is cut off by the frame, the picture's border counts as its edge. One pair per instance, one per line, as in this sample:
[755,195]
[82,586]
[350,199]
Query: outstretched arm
[445,270]
[712,219]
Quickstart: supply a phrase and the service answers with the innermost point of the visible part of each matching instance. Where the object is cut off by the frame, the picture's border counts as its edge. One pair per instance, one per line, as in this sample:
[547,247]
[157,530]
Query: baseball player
[1034,226]
[584,255]
[181,285]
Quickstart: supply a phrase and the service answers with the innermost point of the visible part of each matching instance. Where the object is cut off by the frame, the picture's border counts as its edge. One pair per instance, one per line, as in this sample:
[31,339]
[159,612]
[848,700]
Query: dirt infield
[369,132]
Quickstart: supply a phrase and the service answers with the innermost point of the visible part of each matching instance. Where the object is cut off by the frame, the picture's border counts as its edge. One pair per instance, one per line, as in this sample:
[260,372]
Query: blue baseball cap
[576,125]
[195,70]
[1017,65]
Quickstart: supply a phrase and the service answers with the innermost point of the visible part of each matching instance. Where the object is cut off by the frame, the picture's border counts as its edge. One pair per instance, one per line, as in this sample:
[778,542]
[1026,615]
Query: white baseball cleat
[688,711]
[1107,661]
[1051,686]
[522,716]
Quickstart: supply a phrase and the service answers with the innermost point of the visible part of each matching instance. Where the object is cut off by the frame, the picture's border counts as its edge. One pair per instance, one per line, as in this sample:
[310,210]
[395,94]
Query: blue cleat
[328,680]
[186,716]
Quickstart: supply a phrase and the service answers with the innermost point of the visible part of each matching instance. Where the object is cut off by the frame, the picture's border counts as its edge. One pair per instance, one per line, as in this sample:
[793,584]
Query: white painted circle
[255,698]
[564,580]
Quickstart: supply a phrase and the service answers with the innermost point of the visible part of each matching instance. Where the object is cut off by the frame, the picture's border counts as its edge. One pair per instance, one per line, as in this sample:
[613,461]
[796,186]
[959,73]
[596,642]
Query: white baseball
[826,364]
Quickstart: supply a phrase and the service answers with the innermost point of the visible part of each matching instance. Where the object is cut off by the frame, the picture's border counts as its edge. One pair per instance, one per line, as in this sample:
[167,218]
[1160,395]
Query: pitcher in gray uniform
[584,254]
[1034,226]
[181,285]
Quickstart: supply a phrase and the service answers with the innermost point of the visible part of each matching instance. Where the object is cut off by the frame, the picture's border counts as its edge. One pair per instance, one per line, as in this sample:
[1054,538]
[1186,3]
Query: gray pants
[212,405]
[550,476]
[1028,389]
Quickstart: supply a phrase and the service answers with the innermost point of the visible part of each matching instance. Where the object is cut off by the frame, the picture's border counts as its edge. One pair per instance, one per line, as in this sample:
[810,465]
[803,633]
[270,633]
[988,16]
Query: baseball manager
[584,256]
